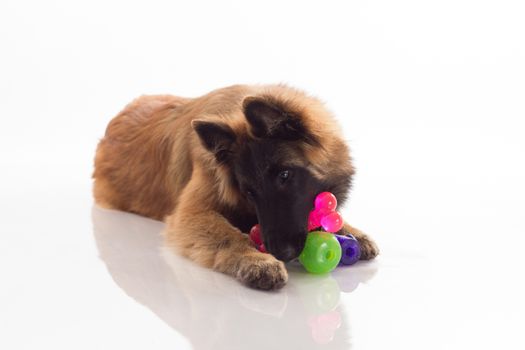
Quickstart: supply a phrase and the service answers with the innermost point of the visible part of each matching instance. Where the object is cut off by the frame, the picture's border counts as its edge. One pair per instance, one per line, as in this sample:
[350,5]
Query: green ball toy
[321,253]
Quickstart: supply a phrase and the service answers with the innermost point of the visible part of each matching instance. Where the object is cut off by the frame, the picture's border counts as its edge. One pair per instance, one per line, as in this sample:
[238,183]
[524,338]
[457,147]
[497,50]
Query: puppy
[212,167]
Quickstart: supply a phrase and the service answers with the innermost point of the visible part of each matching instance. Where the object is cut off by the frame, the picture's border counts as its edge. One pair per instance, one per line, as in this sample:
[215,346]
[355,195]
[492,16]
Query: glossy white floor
[76,276]
[430,97]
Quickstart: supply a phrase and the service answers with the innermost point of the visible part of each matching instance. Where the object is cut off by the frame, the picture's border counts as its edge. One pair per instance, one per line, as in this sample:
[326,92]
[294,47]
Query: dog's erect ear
[269,120]
[216,137]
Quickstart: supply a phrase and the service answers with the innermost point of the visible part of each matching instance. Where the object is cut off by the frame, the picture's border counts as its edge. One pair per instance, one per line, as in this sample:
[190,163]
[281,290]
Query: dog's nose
[287,253]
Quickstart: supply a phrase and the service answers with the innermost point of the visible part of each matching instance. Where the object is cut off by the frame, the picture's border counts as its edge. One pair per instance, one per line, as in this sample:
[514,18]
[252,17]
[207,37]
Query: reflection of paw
[262,271]
[369,249]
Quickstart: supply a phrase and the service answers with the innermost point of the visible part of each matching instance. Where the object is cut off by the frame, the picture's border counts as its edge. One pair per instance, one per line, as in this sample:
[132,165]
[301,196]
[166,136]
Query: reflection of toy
[323,326]
[322,251]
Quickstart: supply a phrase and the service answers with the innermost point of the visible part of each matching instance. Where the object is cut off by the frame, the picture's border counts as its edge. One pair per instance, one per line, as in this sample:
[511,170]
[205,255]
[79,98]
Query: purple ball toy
[351,251]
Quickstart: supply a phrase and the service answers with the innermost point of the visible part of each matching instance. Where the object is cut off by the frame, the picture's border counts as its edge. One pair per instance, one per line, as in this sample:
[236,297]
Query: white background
[431,99]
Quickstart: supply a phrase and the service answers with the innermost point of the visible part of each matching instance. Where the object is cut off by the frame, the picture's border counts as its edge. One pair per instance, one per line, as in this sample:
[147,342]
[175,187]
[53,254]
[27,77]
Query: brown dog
[213,166]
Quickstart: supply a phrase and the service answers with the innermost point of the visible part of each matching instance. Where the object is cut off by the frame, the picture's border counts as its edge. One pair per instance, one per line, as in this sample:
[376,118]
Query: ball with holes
[321,253]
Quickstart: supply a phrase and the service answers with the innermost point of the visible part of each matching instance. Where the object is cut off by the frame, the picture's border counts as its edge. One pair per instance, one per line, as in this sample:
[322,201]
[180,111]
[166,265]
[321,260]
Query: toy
[255,236]
[324,213]
[351,251]
[323,250]
[325,202]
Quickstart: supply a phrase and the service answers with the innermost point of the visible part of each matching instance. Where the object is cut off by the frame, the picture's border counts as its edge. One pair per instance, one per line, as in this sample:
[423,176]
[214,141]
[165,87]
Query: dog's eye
[284,175]
[249,193]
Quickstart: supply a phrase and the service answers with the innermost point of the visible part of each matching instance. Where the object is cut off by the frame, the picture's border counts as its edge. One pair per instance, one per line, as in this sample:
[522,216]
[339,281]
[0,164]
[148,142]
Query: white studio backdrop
[424,90]
[430,94]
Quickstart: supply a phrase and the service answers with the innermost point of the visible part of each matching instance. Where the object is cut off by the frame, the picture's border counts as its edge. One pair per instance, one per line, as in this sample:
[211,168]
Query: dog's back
[145,158]
[132,160]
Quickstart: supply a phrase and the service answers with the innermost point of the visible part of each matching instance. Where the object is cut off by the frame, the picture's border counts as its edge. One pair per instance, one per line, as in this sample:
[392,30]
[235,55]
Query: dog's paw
[262,271]
[369,249]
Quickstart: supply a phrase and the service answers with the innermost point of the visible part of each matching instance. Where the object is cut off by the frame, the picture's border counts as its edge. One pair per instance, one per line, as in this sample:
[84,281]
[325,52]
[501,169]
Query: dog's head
[284,157]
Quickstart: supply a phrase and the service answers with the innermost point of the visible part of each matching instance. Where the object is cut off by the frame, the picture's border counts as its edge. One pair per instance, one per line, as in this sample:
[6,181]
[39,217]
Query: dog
[211,167]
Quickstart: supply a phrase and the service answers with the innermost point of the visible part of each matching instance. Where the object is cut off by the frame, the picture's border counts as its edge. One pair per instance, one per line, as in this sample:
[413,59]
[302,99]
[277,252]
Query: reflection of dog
[205,307]
[215,165]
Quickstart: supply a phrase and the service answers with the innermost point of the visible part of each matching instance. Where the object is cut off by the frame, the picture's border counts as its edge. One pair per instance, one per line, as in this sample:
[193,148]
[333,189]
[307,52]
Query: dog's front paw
[369,249]
[262,271]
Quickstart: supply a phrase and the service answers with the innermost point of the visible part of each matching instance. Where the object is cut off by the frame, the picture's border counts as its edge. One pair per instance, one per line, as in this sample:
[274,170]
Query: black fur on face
[273,175]
[272,172]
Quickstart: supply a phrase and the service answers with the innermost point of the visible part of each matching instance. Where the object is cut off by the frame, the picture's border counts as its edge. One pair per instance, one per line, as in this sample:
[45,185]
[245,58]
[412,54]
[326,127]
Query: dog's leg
[207,238]
[369,249]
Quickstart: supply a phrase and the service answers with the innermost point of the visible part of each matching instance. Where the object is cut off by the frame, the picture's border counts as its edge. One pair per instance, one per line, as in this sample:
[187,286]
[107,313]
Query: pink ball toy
[324,214]
[332,222]
[325,202]
[314,220]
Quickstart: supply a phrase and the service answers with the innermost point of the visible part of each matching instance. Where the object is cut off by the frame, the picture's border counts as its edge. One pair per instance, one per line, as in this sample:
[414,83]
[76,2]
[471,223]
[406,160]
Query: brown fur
[151,162]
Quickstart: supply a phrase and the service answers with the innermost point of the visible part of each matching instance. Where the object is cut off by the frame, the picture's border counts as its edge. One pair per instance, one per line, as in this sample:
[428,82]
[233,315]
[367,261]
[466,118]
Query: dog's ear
[216,137]
[269,120]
